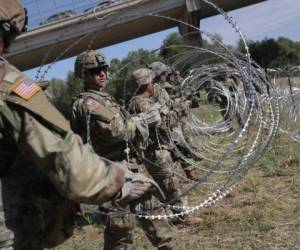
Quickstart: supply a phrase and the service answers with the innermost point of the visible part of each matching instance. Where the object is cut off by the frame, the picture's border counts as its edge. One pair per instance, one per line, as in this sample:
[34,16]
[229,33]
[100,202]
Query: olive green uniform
[99,113]
[45,168]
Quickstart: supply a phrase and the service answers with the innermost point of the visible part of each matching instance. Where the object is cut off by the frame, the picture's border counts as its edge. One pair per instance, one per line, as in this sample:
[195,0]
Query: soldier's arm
[139,105]
[74,169]
[112,126]
[162,96]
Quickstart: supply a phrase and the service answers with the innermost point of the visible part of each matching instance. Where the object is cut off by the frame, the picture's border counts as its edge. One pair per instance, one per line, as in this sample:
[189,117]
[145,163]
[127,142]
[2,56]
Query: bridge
[119,22]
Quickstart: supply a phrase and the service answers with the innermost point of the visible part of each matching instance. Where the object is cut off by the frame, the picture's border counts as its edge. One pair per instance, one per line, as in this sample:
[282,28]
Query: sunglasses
[97,71]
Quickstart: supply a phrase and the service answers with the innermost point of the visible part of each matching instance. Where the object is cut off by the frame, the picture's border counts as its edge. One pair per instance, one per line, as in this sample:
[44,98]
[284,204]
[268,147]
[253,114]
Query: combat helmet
[13,20]
[90,59]
[142,77]
[158,68]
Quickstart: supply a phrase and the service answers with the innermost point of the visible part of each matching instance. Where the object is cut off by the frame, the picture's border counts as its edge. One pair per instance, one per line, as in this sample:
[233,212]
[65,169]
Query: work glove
[136,186]
[147,119]
[151,116]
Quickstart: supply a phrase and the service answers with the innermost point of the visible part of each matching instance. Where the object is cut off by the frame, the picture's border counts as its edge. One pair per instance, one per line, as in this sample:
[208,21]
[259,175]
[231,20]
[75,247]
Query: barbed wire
[242,122]
[288,92]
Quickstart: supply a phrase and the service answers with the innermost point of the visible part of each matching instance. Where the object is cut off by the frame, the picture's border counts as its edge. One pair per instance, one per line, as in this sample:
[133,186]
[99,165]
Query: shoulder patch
[92,104]
[25,88]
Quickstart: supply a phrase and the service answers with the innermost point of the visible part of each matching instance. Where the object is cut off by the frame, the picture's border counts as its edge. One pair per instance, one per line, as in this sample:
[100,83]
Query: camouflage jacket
[32,130]
[158,135]
[161,96]
[173,89]
[98,116]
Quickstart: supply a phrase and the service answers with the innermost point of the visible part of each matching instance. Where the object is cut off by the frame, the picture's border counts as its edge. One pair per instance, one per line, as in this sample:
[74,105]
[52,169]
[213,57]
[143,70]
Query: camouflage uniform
[36,134]
[175,92]
[156,155]
[45,168]
[99,113]
[162,96]
[215,93]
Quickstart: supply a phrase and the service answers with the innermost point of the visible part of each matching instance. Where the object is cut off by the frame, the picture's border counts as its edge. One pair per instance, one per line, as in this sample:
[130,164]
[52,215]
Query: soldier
[165,93]
[98,118]
[222,90]
[45,168]
[156,155]
[173,83]
[160,94]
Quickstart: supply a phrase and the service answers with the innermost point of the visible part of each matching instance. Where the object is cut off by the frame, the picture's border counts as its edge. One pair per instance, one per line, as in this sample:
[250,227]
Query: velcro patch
[92,104]
[25,88]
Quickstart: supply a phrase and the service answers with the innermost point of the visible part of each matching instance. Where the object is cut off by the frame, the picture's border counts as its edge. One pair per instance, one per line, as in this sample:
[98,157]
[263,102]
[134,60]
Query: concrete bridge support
[191,15]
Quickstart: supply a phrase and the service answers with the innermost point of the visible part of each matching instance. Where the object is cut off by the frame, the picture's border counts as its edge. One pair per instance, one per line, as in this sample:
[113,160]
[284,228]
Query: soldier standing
[222,90]
[98,118]
[168,94]
[159,162]
[45,168]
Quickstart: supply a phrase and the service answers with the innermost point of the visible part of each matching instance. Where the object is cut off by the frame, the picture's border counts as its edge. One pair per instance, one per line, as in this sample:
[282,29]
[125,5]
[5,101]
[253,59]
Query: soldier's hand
[182,107]
[132,191]
[146,119]
[151,116]
[135,187]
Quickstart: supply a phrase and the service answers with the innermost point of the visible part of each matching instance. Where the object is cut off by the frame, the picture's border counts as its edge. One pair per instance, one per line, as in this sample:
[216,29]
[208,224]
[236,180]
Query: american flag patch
[25,88]
[92,104]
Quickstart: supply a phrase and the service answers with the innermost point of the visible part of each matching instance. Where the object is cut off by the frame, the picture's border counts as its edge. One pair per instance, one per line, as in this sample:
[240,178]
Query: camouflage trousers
[184,152]
[176,156]
[6,235]
[160,166]
[118,234]
[35,212]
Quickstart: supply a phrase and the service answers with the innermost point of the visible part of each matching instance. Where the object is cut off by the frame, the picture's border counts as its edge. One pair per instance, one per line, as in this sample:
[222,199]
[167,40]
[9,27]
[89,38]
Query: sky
[269,19]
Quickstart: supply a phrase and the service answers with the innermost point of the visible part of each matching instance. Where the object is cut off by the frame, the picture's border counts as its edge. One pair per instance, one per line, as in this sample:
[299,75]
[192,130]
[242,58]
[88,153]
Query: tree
[270,53]
[177,51]
[62,92]
[265,52]
[119,85]
[56,91]
[172,46]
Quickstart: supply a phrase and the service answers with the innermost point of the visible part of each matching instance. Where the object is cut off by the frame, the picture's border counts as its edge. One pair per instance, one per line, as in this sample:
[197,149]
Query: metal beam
[123,22]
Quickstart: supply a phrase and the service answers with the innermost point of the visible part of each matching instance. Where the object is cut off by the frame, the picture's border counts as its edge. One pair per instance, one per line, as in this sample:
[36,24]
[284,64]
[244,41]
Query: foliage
[177,51]
[271,53]
[119,86]
[173,45]
[61,92]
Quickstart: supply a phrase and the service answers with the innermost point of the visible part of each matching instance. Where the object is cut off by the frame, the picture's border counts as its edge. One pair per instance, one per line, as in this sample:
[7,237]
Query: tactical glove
[136,186]
[151,116]
[146,119]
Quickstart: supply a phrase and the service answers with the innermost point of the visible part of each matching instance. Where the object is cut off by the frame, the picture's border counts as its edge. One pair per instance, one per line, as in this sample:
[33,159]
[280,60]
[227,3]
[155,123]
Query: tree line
[175,50]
